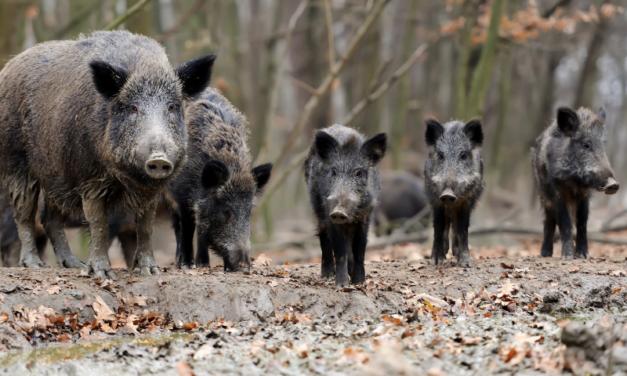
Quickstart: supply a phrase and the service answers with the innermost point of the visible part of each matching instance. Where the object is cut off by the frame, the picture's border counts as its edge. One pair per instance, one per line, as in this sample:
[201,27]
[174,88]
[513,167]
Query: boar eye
[586,145]
[358,173]
[441,156]
[463,156]
[134,109]
[172,107]
[333,172]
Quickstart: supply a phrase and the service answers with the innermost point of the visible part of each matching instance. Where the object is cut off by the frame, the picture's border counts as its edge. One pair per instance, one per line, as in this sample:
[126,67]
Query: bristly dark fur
[341,175]
[80,119]
[569,161]
[453,184]
[214,191]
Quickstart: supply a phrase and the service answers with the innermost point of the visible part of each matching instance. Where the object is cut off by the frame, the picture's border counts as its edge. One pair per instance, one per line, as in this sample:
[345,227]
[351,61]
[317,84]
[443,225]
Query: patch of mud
[284,319]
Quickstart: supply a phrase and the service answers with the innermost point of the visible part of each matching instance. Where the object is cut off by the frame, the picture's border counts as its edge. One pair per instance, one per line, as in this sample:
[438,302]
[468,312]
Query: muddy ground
[503,315]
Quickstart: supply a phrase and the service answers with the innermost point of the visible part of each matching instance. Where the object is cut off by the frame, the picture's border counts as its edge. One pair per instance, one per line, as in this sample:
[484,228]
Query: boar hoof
[567,257]
[582,255]
[72,262]
[185,266]
[464,263]
[149,270]
[105,274]
[32,261]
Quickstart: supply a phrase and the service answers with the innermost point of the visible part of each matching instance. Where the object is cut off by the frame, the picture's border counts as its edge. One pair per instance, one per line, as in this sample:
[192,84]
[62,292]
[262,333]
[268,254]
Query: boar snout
[158,166]
[338,215]
[611,186]
[448,197]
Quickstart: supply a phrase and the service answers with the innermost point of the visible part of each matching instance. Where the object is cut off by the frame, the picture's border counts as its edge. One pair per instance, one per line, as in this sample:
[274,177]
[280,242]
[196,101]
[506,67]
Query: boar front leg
[550,221]
[24,195]
[360,238]
[565,224]
[328,264]
[144,257]
[185,238]
[54,224]
[461,233]
[439,229]
[340,253]
[581,250]
[98,263]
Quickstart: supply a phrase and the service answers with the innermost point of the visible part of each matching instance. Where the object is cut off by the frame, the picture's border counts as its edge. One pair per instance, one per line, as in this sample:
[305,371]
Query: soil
[283,319]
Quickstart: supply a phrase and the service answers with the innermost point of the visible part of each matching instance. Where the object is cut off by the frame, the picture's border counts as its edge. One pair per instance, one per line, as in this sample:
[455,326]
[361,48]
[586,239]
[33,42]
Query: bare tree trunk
[469,12]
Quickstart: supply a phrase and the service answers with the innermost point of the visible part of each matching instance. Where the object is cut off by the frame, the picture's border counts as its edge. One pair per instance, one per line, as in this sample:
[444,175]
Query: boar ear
[567,120]
[433,132]
[214,174]
[473,131]
[195,74]
[325,144]
[261,174]
[375,147]
[601,114]
[108,79]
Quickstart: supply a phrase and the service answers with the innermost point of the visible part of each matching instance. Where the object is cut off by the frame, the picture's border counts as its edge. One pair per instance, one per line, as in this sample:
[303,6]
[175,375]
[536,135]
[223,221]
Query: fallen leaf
[106,328]
[1,298]
[184,369]
[140,301]
[573,270]
[355,355]
[616,291]
[54,290]
[204,351]
[508,288]
[262,260]
[471,340]
[361,331]
[64,338]
[485,296]
[505,266]
[272,284]
[84,332]
[102,310]
[4,317]
[434,371]
[618,273]
[436,302]
[129,327]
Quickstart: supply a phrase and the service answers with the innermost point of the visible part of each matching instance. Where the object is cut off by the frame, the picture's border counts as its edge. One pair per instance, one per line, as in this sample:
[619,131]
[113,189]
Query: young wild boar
[97,123]
[402,197]
[344,185]
[453,183]
[569,161]
[215,190]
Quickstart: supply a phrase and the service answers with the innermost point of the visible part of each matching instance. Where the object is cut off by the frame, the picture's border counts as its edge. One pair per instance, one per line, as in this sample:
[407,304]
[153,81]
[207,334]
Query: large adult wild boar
[215,190]
[96,123]
[569,162]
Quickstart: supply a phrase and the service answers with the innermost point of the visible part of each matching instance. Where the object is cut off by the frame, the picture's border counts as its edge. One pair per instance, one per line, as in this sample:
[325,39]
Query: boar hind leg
[185,238]
[328,264]
[550,221]
[202,252]
[144,257]
[439,229]
[24,195]
[340,253]
[565,224]
[98,263]
[54,224]
[358,274]
[461,235]
[581,250]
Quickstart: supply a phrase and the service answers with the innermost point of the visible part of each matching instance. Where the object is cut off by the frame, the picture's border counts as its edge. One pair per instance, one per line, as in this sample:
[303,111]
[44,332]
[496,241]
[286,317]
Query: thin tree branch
[377,76]
[329,17]
[274,92]
[130,12]
[297,161]
[386,85]
[181,21]
[325,86]
[303,85]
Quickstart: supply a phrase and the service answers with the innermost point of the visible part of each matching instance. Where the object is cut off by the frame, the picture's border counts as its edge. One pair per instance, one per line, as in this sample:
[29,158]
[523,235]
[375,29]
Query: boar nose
[338,215]
[158,166]
[611,186]
[448,197]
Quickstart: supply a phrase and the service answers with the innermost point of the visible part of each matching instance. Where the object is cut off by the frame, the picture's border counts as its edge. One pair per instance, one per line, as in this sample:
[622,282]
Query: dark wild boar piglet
[569,162]
[215,190]
[97,124]
[344,185]
[402,197]
[453,184]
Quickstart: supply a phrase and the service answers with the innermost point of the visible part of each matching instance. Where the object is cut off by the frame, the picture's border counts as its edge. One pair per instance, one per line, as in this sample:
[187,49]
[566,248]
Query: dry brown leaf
[54,290]
[436,302]
[485,295]
[508,288]
[355,355]
[272,284]
[262,260]
[140,301]
[85,331]
[573,270]
[508,267]
[471,340]
[106,328]
[129,327]
[4,317]
[434,371]
[362,330]
[102,310]
[184,369]
[1,298]
[618,273]
[204,351]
